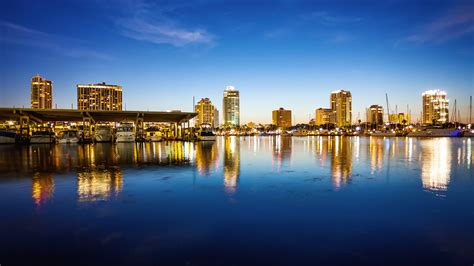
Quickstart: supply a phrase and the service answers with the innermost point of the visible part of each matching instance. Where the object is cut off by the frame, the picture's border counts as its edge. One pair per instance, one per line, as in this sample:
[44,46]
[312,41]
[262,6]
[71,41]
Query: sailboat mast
[388,108]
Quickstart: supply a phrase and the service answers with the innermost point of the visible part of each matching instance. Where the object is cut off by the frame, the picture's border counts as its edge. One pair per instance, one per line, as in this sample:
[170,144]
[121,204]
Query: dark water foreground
[240,201]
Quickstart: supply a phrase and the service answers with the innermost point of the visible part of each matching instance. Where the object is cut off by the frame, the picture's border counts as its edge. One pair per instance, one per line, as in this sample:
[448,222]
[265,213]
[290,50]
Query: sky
[289,54]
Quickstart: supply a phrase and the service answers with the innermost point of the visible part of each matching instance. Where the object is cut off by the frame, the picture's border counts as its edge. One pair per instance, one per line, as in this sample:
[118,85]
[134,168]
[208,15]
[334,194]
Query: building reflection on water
[231,163]
[99,184]
[207,159]
[281,149]
[435,161]
[376,154]
[42,187]
[341,160]
[98,167]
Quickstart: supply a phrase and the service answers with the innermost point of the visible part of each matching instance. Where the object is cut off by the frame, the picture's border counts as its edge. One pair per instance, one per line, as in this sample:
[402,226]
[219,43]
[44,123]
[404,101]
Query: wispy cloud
[20,35]
[454,24]
[161,33]
[147,21]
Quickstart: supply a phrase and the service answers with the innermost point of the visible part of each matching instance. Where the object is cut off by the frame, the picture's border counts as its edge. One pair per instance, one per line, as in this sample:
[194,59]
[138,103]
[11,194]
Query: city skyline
[290,54]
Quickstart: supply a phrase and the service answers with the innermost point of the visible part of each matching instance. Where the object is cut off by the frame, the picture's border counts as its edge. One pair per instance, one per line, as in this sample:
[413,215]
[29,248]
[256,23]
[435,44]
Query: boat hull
[103,138]
[68,141]
[124,137]
[208,138]
[436,133]
[42,140]
[7,137]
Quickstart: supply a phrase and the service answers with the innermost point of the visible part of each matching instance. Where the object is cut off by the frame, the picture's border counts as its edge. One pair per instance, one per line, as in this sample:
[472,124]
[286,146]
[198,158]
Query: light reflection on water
[262,196]
[99,167]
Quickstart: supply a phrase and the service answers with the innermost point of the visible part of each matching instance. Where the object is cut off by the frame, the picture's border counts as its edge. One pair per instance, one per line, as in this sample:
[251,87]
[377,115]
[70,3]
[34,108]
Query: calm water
[240,201]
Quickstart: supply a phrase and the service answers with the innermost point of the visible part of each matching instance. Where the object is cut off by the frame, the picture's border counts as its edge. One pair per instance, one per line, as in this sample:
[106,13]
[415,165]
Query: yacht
[468,133]
[153,134]
[435,132]
[103,133]
[70,136]
[125,133]
[42,136]
[390,133]
[206,133]
[7,135]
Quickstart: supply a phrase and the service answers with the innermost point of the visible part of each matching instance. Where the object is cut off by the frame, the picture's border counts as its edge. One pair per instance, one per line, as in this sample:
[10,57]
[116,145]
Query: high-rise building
[341,106]
[324,116]
[375,115]
[41,93]
[231,107]
[206,113]
[216,118]
[102,97]
[435,107]
[281,118]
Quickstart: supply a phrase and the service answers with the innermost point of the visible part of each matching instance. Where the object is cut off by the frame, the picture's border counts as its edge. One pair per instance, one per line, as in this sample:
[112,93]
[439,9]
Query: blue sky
[289,54]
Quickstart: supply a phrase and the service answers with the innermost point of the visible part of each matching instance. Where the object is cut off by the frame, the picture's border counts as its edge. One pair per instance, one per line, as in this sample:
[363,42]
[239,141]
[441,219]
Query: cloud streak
[454,24]
[146,21]
[20,35]
[161,33]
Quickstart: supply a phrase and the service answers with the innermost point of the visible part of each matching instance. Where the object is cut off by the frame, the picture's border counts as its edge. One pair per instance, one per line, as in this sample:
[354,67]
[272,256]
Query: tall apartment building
[231,107]
[341,106]
[206,113]
[324,116]
[435,107]
[281,118]
[41,93]
[375,115]
[99,97]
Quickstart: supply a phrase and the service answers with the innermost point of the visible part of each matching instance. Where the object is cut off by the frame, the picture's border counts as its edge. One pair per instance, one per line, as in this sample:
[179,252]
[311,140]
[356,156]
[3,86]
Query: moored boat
[125,133]
[435,132]
[42,136]
[70,136]
[206,133]
[7,136]
[103,133]
[153,134]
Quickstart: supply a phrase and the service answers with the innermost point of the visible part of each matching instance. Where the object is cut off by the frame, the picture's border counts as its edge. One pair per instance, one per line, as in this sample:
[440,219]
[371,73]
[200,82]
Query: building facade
[341,106]
[99,97]
[435,107]
[206,113]
[281,118]
[231,107]
[324,116]
[41,93]
[400,118]
[375,115]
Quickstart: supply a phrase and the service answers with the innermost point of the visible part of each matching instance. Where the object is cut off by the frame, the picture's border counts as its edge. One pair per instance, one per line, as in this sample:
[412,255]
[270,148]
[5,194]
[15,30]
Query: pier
[29,117]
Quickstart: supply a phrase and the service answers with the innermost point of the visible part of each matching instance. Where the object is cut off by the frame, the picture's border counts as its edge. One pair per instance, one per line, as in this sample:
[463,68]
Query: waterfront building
[206,113]
[99,97]
[375,115]
[216,118]
[341,106]
[435,107]
[400,118]
[281,118]
[231,107]
[324,116]
[41,93]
